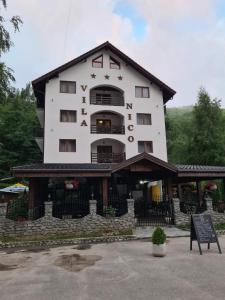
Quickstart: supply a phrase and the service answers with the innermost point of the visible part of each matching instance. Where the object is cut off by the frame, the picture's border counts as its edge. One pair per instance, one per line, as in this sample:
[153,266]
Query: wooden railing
[107,157]
[108,129]
[107,100]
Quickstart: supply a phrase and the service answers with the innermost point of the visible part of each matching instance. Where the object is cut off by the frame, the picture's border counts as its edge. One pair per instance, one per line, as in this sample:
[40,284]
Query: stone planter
[159,250]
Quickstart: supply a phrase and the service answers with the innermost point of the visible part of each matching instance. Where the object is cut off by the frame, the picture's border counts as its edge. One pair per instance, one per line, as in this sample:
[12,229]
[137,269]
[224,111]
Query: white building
[101,107]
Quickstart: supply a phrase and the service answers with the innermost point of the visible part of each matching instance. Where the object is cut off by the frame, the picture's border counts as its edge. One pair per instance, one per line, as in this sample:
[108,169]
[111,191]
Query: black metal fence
[154,213]
[118,203]
[70,204]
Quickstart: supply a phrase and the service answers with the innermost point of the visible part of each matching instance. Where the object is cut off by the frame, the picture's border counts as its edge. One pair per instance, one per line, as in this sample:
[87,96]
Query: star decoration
[93,75]
[106,76]
[120,77]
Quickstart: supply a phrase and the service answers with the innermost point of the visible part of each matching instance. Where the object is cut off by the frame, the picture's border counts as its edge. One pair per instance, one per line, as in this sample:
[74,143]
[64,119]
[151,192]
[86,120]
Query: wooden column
[105,191]
[223,188]
[31,197]
[38,193]
[169,188]
[199,192]
[179,190]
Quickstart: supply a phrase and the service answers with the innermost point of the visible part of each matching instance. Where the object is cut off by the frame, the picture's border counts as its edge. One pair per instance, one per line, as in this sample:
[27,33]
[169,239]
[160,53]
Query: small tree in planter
[158,242]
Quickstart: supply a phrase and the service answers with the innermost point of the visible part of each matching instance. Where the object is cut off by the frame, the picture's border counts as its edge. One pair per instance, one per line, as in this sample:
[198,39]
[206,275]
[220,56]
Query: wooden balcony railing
[107,100]
[108,129]
[107,157]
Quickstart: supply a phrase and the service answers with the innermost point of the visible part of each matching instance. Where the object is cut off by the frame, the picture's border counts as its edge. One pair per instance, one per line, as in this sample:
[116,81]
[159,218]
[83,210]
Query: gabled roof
[39,83]
[144,156]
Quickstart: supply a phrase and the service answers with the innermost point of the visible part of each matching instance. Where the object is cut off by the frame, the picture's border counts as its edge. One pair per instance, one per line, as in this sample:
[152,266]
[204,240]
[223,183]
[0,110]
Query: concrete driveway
[124,270]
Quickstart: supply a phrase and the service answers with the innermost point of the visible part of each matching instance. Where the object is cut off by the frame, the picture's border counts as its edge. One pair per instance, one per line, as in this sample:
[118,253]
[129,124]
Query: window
[68,116]
[144,119]
[114,64]
[68,87]
[145,146]
[97,62]
[67,145]
[141,92]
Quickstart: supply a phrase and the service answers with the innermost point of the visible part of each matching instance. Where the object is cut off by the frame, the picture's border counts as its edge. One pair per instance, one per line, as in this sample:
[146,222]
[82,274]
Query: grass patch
[64,236]
[184,227]
[220,226]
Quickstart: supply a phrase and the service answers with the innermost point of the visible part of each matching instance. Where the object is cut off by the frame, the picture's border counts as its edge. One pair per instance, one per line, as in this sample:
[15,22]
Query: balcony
[107,100]
[107,122]
[107,150]
[107,157]
[107,129]
[106,95]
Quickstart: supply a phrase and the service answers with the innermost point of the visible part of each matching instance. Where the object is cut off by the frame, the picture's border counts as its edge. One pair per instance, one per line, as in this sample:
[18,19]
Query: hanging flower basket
[211,186]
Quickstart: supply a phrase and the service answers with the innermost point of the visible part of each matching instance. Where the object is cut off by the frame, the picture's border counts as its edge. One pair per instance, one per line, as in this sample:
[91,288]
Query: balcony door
[104,154]
[103,126]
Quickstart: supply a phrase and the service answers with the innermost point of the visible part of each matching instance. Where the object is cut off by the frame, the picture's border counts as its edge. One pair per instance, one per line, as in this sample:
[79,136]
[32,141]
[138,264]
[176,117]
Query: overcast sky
[180,41]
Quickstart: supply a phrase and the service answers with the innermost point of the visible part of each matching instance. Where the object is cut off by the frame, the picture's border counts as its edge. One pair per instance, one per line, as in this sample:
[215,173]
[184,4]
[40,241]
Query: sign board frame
[202,231]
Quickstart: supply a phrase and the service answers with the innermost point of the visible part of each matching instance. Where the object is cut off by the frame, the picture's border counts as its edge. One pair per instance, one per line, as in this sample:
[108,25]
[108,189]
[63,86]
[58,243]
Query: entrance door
[104,154]
[103,126]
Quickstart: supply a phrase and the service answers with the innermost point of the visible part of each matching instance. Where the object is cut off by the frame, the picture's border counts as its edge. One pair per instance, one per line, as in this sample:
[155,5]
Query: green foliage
[6,74]
[158,236]
[18,208]
[18,122]
[178,130]
[207,143]
[110,211]
[196,136]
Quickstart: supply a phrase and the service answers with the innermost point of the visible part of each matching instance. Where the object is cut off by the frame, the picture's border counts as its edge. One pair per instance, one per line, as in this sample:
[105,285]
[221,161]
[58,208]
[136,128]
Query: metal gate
[157,214]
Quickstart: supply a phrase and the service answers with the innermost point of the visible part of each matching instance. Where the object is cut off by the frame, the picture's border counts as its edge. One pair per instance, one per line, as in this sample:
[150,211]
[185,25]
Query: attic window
[97,62]
[114,64]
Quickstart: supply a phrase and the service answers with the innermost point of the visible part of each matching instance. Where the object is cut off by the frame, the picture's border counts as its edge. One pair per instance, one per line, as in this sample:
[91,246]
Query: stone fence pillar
[48,208]
[3,210]
[93,207]
[208,202]
[130,207]
[176,205]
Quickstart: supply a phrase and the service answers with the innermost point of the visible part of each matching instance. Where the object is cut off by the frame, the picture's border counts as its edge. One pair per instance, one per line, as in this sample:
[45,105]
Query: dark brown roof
[66,167]
[105,170]
[200,168]
[45,170]
[39,83]
[144,156]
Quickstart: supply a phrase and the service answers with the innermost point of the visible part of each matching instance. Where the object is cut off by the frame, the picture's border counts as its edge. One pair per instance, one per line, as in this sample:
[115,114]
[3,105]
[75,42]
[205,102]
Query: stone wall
[179,217]
[50,225]
[216,216]
[184,219]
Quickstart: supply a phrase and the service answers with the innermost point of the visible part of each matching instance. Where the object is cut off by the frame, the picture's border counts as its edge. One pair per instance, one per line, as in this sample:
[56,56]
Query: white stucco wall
[81,73]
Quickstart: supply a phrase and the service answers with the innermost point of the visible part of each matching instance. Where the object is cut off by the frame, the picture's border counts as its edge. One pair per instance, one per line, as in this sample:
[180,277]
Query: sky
[182,42]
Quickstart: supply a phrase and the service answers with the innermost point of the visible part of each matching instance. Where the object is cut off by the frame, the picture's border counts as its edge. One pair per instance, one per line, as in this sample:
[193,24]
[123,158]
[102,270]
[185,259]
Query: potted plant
[158,242]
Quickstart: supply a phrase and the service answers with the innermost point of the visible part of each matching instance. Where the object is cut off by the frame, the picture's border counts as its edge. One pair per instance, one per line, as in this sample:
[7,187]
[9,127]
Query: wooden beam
[105,191]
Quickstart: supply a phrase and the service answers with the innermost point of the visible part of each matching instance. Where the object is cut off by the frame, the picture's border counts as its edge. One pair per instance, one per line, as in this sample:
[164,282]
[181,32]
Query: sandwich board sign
[202,231]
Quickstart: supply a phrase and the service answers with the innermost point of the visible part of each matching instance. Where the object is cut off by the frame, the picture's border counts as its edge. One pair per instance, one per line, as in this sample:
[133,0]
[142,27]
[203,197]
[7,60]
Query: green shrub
[110,211]
[158,236]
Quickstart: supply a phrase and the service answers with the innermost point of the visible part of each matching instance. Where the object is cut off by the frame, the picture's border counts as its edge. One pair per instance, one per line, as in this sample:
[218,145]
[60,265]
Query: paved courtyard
[124,270]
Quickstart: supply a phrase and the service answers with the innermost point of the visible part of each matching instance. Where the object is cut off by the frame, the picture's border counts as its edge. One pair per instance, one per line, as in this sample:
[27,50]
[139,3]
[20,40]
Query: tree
[18,123]
[207,141]
[6,74]
[178,132]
